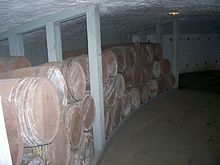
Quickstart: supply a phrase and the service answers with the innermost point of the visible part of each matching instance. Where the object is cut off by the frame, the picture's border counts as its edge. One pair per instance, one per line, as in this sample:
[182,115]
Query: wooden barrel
[121,60]
[141,57]
[84,61]
[134,93]
[118,113]
[145,93]
[29,158]
[130,57]
[165,66]
[148,58]
[13,62]
[109,86]
[13,132]
[38,154]
[56,77]
[169,81]
[161,84]
[138,54]
[126,103]
[133,77]
[74,121]
[51,72]
[74,76]
[88,107]
[37,105]
[128,78]
[158,51]
[71,53]
[111,61]
[137,75]
[74,53]
[59,149]
[2,69]
[84,154]
[110,94]
[153,87]
[155,51]
[110,123]
[120,85]
[78,155]
[105,70]
[76,158]
[18,73]
[88,147]
[156,69]
[111,99]
[147,72]
[106,119]
[150,51]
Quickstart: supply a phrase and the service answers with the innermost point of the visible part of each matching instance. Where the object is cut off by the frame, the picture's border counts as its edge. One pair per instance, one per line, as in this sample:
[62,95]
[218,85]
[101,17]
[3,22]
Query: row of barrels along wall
[54,113]
[132,74]
[142,74]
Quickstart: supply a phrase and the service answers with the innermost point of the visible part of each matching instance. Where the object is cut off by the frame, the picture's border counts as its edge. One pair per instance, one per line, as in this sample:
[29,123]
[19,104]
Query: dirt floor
[181,127]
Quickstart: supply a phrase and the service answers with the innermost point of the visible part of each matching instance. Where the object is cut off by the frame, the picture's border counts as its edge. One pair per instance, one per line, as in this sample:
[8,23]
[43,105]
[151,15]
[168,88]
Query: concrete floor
[181,127]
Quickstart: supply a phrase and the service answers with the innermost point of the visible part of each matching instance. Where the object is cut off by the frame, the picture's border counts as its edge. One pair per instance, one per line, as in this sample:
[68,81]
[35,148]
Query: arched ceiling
[117,16]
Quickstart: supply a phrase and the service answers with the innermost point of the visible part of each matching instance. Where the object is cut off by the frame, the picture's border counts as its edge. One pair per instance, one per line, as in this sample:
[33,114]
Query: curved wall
[197,52]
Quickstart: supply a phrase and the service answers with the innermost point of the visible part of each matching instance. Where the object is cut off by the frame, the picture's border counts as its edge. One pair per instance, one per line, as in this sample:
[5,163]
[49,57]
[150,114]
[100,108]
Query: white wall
[197,52]
[167,46]
[136,38]
[151,38]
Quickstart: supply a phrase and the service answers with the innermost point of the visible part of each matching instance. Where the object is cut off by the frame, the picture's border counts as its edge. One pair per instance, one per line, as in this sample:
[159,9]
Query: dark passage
[204,81]
[181,127]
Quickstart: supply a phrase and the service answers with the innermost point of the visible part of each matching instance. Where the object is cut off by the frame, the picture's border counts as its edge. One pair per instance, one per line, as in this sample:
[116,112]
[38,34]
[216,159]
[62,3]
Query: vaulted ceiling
[117,16]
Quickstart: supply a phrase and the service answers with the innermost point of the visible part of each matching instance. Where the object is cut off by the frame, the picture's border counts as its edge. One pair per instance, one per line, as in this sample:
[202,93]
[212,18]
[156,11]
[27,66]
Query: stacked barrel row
[142,74]
[54,108]
[113,84]
[132,74]
[54,114]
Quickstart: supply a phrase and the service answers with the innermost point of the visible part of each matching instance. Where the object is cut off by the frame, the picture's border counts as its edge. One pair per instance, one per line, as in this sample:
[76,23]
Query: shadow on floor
[180,128]
[204,81]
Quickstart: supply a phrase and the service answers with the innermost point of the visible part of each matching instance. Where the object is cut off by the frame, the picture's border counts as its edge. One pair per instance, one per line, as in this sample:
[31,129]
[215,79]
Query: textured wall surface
[118,19]
[116,16]
[197,52]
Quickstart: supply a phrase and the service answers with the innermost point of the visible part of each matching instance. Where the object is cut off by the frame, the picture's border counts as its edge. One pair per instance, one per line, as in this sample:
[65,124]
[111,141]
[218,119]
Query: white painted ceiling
[117,16]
